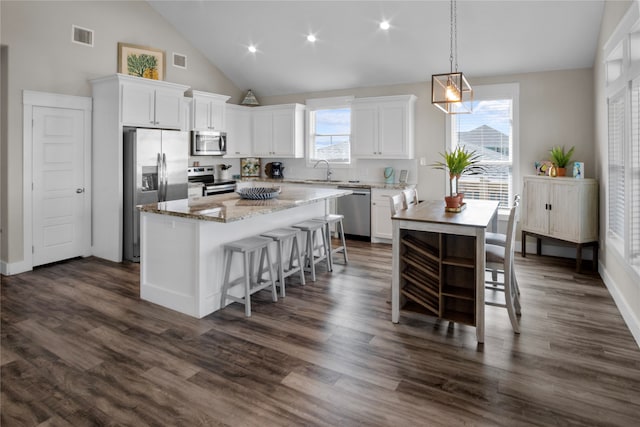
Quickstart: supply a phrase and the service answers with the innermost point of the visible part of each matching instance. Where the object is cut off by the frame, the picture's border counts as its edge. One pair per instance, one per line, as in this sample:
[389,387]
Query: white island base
[181,258]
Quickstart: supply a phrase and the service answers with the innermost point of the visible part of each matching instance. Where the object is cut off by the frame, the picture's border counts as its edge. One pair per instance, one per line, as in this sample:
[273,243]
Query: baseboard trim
[632,321]
[9,269]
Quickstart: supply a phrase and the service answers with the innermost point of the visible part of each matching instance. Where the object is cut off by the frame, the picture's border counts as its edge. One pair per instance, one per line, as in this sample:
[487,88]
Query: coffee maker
[275,170]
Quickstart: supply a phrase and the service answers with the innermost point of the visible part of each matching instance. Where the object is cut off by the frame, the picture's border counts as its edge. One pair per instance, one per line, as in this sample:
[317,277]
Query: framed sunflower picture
[141,61]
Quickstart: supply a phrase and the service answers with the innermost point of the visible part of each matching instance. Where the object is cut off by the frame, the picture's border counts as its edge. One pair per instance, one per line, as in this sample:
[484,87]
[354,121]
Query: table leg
[395,274]
[524,244]
[538,246]
[594,267]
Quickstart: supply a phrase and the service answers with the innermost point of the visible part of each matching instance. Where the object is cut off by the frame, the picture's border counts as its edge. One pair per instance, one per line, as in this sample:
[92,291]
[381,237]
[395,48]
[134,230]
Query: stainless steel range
[206,176]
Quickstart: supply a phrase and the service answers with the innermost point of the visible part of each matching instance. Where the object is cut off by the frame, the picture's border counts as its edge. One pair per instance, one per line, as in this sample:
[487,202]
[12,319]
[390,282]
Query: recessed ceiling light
[311,38]
[252,49]
[384,25]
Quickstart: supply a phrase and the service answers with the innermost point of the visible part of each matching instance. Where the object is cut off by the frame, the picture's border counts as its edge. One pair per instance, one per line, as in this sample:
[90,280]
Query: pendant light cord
[451,38]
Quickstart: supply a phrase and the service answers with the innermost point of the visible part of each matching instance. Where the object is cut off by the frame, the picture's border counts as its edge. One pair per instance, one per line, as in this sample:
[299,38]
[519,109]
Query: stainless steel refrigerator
[155,170]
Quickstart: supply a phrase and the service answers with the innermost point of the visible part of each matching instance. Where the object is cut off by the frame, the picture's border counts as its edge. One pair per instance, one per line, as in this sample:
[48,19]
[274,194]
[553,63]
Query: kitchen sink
[323,180]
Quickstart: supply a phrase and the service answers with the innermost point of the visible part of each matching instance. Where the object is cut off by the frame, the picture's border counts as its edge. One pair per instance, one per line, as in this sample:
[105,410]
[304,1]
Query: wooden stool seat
[282,237]
[248,248]
[311,229]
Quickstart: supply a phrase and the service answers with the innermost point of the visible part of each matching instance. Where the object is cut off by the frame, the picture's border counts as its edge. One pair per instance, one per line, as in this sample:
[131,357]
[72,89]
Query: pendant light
[451,92]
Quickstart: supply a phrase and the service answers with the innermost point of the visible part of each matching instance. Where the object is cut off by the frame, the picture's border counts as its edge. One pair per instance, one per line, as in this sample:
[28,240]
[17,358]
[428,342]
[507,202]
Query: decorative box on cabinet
[238,131]
[278,131]
[381,227]
[383,127]
[150,103]
[207,110]
[563,209]
[118,101]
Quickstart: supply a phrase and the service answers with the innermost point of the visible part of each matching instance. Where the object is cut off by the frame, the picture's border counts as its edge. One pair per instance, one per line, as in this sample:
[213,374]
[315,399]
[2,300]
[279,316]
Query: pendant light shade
[451,92]
[250,99]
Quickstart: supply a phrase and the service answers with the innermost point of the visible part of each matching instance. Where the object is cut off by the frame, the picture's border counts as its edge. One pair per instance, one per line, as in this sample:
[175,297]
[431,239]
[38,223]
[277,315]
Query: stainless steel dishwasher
[356,209]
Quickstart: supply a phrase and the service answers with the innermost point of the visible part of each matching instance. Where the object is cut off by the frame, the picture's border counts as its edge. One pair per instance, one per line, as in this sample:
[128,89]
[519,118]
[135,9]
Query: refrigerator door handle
[160,180]
[165,177]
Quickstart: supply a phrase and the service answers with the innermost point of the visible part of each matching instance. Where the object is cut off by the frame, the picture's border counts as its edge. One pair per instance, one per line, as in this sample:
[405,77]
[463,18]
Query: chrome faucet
[328,168]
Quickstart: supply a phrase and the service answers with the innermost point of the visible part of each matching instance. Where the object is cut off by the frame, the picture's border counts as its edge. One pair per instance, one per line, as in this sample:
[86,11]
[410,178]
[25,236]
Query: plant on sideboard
[458,162]
[561,158]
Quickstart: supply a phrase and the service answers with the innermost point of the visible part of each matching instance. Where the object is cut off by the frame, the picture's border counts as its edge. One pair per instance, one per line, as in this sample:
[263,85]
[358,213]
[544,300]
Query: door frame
[31,99]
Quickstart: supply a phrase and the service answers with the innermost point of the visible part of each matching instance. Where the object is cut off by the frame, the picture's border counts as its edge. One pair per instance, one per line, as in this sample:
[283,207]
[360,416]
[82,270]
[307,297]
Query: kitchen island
[181,254]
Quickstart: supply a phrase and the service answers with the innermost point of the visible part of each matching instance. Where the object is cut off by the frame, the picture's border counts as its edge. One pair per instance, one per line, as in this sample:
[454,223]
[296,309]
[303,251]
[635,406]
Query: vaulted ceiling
[494,38]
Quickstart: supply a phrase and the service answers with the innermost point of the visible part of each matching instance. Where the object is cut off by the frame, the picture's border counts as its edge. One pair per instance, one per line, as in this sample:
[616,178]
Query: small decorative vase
[561,171]
[388,175]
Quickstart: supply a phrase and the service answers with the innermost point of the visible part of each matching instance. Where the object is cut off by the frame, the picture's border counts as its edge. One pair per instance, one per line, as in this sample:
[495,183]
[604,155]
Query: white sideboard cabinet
[383,127]
[208,110]
[278,131]
[561,208]
[119,101]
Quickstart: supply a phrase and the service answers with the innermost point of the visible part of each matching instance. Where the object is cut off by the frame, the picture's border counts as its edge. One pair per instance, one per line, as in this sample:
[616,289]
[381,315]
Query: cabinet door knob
[79,190]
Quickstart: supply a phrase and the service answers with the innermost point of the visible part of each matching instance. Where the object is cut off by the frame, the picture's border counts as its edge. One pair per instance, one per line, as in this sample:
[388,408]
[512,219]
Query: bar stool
[311,229]
[334,219]
[283,236]
[249,248]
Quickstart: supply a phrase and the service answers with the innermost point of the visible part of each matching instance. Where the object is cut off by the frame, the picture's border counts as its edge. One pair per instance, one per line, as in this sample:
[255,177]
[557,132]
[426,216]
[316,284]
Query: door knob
[79,190]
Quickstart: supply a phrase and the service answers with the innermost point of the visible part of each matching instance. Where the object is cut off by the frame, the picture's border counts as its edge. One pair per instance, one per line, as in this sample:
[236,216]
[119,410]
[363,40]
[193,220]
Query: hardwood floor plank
[79,347]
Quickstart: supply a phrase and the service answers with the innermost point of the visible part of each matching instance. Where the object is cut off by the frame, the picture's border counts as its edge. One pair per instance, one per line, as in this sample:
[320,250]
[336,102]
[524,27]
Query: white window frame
[622,74]
[323,104]
[492,92]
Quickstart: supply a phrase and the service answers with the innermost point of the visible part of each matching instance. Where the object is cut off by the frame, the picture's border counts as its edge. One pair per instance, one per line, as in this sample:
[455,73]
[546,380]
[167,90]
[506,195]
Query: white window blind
[489,131]
[634,164]
[616,164]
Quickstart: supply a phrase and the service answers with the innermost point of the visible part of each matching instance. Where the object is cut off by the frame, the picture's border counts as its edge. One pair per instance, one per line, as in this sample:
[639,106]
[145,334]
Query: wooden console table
[439,261]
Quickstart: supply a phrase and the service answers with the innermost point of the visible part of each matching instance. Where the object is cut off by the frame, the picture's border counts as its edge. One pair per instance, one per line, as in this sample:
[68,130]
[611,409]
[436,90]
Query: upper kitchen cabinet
[238,131]
[120,101]
[208,110]
[150,103]
[278,131]
[382,127]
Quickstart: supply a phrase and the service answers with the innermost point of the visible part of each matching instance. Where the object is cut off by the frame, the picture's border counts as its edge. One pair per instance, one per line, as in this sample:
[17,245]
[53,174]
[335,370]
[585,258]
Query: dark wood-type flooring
[80,348]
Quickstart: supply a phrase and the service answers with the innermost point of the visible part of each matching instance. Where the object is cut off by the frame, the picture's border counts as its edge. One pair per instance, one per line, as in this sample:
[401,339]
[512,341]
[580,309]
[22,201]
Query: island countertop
[230,207]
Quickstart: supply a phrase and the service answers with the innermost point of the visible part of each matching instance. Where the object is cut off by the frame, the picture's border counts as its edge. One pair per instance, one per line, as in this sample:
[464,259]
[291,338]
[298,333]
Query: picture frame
[141,61]
[250,167]
[578,170]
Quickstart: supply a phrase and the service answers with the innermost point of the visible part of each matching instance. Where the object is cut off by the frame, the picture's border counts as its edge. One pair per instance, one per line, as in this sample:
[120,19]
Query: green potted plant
[458,162]
[561,159]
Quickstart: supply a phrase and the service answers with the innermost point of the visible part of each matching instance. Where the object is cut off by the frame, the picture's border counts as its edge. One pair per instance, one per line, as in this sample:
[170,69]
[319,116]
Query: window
[329,127]
[491,131]
[634,181]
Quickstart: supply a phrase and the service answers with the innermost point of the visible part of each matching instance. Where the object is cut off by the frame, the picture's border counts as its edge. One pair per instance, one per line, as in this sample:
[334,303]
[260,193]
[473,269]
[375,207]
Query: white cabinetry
[119,101]
[381,227]
[150,103]
[208,111]
[278,131]
[383,127]
[238,131]
[560,208]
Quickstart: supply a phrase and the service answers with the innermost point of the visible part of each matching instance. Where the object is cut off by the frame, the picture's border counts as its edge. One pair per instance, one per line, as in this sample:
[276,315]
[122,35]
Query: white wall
[623,283]
[43,58]
[556,108]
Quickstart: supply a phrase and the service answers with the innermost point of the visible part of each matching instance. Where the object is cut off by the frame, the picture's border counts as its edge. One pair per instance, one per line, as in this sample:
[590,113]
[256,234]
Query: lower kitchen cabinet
[381,227]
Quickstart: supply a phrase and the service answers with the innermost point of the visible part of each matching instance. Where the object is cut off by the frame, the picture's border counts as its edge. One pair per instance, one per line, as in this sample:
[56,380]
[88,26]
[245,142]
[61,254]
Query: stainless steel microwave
[208,143]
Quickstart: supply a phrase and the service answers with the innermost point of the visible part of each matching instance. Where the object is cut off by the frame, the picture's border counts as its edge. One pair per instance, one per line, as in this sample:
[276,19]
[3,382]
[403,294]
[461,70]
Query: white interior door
[60,226]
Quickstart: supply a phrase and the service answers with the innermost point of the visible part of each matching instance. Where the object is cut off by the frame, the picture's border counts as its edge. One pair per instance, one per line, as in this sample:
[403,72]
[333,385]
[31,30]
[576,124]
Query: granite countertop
[332,183]
[230,207]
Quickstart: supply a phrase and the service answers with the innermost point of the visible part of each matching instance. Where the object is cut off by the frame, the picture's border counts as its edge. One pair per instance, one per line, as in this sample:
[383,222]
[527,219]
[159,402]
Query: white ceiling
[494,38]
